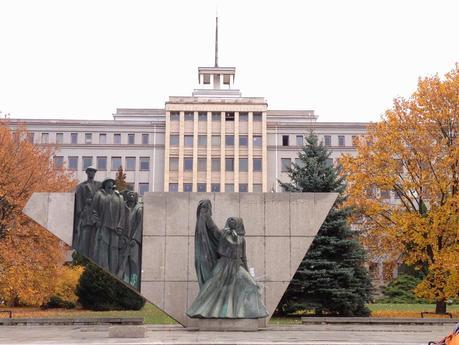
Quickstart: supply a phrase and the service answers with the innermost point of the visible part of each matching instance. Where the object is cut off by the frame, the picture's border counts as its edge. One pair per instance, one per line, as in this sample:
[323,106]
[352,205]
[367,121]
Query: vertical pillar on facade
[250,152]
[222,150]
[264,153]
[195,151]
[166,152]
[236,151]
[209,152]
[181,147]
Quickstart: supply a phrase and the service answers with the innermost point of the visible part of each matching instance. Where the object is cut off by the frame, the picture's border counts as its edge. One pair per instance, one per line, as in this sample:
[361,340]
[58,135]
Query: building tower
[215,139]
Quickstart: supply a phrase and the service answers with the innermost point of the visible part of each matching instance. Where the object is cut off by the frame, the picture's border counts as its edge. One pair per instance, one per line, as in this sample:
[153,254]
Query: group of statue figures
[108,227]
[226,288]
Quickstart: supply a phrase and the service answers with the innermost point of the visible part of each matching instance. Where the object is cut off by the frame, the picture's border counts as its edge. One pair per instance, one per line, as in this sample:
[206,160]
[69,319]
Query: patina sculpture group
[108,227]
[226,288]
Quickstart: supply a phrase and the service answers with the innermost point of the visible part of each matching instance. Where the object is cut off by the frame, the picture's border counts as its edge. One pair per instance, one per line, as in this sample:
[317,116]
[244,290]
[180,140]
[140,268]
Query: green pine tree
[331,278]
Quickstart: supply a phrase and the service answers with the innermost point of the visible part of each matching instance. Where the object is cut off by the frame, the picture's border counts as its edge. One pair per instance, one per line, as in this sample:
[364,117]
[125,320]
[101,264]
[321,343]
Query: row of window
[216,116]
[327,140]
[88,138]
[102,161]
[215,187]
[215,164]
[216,140]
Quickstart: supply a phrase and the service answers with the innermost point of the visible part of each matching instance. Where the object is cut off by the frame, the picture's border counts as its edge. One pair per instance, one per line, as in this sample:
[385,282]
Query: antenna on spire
[216,38]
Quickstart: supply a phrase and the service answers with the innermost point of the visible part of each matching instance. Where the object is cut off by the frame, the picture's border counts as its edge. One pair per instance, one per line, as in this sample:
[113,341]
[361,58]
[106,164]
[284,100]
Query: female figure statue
[230,292]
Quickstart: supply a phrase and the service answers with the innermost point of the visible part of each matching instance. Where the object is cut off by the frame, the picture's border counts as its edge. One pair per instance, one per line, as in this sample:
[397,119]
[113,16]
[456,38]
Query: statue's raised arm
[206,239]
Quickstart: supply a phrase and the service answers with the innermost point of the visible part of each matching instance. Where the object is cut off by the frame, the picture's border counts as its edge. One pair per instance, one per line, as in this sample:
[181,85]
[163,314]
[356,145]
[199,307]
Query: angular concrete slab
[279,230]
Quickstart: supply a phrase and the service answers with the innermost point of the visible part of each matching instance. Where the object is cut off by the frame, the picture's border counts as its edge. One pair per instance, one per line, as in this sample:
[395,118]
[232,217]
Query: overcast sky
[346,60]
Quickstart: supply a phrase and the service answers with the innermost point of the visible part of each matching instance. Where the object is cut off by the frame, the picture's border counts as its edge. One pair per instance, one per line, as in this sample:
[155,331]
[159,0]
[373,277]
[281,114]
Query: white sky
[346,60]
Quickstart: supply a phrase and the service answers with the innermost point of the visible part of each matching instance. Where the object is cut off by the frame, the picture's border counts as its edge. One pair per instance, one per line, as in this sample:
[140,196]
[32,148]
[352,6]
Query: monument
[203,258]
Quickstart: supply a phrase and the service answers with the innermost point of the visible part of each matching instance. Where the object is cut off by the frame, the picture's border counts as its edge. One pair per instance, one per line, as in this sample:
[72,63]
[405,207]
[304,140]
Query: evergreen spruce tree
[331,278]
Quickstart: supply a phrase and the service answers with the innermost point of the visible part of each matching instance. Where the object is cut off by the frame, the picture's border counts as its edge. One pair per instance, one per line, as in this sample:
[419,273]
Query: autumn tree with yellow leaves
[413,153]
[31,258]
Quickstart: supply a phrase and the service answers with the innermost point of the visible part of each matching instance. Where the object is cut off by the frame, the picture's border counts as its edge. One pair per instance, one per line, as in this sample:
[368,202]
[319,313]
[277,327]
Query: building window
[216,141]
[73,163]
[285,140]
[285,164]
[188,141]
[144,163]
[102,163]
[59,138]
[173,164]
[229,188]
[130,163]
[206,79]
[202,140]
[202,164]
[87,162]
[173,187]
[299,162]
[243,187]
[145,139]
[229,140]
[215,164]
[175,116]
[102,138]
[243,140]
[215,187]
[131,138]
[257,188]
[299,140]
[58,162]
[30,137]
[187,187]
[44,138]
[188,164]
[243,164]
[216,116]
[257,141]
[143,188]
[257,164]
[385,194]
[257,117]
[117,138]
[202,116]
[243,117]
[130,186]
[202,187]
[229,164]
[74,138]
[341,141]
[116,163]
[327,140]
[229,116]
[174,140]
[88,138]
[329,162]
[189,116]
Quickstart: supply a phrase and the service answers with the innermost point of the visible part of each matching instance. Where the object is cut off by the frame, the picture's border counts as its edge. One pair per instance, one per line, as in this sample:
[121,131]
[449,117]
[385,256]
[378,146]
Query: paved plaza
[300,334]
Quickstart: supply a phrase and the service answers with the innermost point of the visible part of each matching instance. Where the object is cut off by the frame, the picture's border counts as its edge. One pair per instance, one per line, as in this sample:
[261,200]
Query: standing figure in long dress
[230,292]
[206,238]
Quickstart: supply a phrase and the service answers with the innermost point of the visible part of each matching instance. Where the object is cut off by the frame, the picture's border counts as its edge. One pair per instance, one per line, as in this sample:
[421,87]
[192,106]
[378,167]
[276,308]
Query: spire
[216,40]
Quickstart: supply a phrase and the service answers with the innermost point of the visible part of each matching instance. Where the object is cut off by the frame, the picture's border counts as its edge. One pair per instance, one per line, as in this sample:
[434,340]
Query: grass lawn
[153,315]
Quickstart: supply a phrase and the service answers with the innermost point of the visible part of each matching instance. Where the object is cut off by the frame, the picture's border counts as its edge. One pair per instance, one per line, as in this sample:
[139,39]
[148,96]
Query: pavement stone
[279,335]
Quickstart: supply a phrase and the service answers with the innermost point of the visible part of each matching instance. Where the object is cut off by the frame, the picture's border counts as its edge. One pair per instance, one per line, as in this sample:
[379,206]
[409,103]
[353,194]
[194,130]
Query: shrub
[401,289]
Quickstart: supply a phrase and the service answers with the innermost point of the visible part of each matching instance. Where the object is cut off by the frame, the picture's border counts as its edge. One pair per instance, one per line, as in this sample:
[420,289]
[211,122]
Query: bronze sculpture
[229,292]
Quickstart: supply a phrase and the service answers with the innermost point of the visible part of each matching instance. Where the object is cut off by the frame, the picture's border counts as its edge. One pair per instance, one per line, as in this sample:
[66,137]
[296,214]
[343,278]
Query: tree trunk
[440,307]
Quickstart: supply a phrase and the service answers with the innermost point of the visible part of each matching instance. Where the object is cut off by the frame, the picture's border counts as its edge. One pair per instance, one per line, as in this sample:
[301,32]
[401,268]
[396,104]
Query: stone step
[73,321]
[379,321]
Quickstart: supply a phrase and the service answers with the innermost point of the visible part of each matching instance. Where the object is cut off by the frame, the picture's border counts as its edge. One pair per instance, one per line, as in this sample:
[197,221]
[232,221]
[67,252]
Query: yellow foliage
[414,153]
[66,283]
[30,256]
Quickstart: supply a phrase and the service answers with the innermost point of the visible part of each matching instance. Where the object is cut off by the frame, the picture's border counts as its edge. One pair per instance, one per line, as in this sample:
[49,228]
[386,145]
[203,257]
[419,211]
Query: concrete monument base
[126,332]
[226,325]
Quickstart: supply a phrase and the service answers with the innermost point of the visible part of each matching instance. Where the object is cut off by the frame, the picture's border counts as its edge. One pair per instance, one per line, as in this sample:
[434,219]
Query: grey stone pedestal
[227,325]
